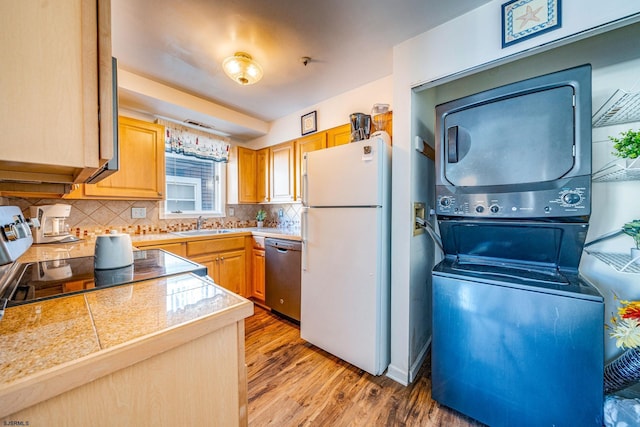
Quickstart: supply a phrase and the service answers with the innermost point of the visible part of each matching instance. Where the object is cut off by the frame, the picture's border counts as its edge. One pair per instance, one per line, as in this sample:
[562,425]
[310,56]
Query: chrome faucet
[199,223]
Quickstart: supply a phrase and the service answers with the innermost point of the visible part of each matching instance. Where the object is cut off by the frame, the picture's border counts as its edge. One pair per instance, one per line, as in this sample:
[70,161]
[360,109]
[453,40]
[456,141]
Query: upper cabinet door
[142,167]
[247,175]
[282,172]
[339,135]
[262,175]
[317,141]
[56,72]
[242,184]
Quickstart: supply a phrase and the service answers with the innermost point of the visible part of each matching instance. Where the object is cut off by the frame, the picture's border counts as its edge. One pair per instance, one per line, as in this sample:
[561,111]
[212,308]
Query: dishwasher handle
[282,245]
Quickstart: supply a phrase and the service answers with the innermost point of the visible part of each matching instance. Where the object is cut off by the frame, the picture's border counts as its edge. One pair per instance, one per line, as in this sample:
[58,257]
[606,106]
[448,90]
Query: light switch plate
[137,213]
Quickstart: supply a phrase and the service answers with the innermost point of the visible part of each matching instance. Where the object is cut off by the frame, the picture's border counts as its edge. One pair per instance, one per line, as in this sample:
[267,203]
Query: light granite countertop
[86,247]
[52,346]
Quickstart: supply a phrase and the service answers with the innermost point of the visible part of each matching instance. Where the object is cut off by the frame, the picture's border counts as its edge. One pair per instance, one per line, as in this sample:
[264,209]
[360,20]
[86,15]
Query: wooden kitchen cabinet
[227,269]
[230,271]
[339,135]
[258,268]
[241,176]
[282,172]
[225,259]
[247,174]
[262,175]
[142,166]
[56,75]
[317,141]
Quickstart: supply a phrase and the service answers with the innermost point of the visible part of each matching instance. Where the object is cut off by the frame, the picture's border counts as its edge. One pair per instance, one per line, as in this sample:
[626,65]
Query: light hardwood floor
[293,383]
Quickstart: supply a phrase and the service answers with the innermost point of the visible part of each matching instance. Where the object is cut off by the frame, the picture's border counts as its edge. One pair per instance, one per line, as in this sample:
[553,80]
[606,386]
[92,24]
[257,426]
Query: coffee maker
[52,227]
[360,126]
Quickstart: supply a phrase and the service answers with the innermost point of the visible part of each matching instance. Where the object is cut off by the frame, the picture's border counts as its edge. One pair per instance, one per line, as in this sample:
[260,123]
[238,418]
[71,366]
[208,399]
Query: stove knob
[479,209]
[10,232]
[494,208]
[571,198]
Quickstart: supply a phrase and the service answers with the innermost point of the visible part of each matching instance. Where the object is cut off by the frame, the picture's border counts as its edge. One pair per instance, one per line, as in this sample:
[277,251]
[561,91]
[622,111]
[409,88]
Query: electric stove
[36,281]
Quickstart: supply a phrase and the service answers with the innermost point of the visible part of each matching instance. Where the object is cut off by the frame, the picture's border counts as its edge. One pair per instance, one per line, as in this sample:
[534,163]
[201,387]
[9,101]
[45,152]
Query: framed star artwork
[523,19]
[308,123]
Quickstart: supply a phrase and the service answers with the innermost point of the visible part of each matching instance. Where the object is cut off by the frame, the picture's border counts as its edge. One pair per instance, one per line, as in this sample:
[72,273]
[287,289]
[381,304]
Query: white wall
[331,112]
[458,46]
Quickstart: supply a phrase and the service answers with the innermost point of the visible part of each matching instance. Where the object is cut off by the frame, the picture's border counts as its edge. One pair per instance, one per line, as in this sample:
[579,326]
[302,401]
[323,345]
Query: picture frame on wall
[524,19]
[309,123]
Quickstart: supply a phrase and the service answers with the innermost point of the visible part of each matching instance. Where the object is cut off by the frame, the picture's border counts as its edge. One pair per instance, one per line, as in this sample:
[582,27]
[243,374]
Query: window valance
[190,142]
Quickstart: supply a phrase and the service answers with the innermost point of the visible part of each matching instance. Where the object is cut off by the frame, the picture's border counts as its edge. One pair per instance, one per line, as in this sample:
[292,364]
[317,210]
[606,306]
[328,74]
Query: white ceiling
[181,44]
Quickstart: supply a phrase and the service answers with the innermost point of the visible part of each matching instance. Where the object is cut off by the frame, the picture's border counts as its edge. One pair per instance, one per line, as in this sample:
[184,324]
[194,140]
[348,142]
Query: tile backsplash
[96,216]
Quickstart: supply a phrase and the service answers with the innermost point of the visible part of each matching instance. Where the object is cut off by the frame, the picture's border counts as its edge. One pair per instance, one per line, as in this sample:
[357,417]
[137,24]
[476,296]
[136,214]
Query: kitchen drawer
[258,242]
[200,247]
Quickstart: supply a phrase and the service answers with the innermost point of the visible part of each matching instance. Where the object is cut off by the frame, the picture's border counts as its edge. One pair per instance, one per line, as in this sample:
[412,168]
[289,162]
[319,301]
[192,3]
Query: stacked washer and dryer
[517,332]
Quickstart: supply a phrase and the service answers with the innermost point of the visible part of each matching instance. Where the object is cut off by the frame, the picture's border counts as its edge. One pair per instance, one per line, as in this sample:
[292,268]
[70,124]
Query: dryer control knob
[445,201]
[571,198]
[494,208]
[479,209]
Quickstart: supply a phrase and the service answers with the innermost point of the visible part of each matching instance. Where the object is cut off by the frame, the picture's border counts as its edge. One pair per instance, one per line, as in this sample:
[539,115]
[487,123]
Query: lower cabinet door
[232,267]
[208,261]
[257,287]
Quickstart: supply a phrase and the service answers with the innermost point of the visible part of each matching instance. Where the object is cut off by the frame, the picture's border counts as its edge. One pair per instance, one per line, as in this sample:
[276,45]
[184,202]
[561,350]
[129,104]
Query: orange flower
[629,310]
[626,329]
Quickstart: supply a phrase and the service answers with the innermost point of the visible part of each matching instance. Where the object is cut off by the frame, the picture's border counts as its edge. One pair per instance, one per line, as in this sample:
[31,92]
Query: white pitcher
[113,250]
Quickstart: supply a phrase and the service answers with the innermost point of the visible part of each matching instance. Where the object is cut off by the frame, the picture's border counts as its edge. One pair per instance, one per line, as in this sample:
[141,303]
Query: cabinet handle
[304,218]
[222,259]
[305,181]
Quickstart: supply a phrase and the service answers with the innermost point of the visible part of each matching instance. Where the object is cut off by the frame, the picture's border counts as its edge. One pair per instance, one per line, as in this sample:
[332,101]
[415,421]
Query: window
[183,194]
[194,187]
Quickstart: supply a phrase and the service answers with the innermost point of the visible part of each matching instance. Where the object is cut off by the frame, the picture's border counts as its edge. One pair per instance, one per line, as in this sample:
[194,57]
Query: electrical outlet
[137,213]
[280,213]
[232,211]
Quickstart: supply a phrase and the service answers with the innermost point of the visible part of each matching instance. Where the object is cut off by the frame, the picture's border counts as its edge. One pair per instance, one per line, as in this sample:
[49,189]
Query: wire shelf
[620,262]
[621,107]
[618,170]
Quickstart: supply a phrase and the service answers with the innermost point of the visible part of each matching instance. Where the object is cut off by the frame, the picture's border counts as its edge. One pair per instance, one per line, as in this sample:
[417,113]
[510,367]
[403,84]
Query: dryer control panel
[567,201]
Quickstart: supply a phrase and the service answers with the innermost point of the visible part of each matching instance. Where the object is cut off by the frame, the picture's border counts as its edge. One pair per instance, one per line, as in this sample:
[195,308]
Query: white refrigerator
[345,294]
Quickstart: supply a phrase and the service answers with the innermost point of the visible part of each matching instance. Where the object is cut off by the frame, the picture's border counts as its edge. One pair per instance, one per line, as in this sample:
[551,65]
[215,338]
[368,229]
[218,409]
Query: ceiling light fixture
[242,69]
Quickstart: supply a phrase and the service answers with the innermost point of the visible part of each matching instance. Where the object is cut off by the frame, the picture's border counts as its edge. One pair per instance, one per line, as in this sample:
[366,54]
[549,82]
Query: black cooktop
[36,281]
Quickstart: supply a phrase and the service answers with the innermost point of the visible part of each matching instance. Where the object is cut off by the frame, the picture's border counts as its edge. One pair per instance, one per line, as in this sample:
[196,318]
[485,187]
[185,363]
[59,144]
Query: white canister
[113,251]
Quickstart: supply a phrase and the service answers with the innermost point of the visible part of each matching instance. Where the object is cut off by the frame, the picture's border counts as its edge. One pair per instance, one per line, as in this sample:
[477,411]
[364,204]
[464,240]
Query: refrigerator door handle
[303,235]
[304,181]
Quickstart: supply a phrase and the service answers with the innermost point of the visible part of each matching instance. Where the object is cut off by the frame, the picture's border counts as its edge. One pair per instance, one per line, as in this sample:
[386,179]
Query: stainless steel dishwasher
[283,276]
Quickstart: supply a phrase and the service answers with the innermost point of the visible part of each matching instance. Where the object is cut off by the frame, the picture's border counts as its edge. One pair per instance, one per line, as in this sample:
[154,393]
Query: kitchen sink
[203,232]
